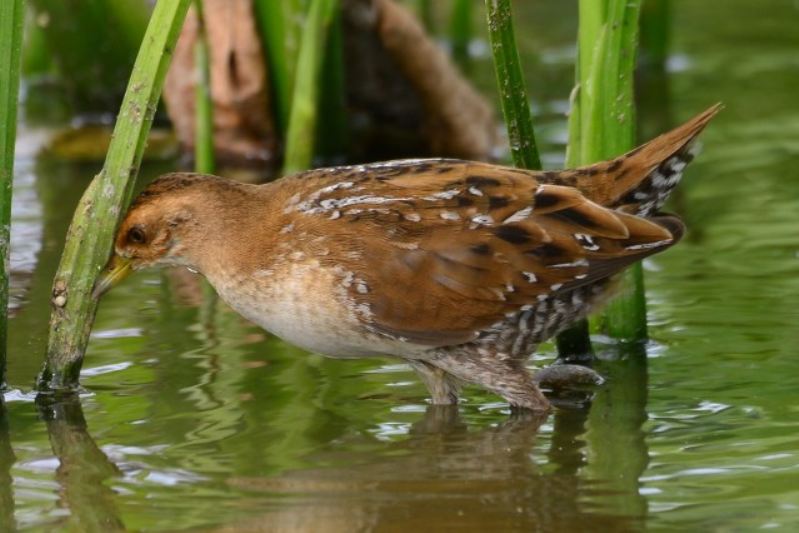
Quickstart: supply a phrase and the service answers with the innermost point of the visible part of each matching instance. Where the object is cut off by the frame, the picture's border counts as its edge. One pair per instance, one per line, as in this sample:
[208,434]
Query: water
[193,419]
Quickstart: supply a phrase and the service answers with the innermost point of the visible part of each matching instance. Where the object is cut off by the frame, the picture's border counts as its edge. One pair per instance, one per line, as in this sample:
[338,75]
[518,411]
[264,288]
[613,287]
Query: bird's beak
[118,268]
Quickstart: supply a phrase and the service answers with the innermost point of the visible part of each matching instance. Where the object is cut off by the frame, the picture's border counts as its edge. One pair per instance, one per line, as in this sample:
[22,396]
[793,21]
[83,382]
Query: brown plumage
[460,268]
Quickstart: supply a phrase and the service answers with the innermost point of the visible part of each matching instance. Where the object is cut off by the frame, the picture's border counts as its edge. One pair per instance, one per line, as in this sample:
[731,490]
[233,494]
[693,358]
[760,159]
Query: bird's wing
[448,250]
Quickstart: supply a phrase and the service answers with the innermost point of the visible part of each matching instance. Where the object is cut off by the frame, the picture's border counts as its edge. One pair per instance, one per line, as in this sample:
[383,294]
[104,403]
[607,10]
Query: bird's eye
[136,235]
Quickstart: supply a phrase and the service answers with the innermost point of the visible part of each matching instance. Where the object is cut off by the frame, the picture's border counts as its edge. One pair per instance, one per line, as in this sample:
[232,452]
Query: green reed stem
[36,58]
[85,473]
[625,316]
[305,99]
[204,108]
[12,14]
[574,344]
[655,26]
[91,233]
[616,442]
[332,135]
[460,31]
[602,126]
[519,122]
[510,80]
[7,461]
[279,24]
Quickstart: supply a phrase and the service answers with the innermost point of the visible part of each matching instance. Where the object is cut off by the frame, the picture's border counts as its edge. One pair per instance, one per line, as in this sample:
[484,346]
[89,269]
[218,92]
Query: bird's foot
[567,377]
[568,386]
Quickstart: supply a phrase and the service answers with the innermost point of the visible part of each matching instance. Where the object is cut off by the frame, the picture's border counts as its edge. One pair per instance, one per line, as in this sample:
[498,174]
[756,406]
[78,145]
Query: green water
[194,419]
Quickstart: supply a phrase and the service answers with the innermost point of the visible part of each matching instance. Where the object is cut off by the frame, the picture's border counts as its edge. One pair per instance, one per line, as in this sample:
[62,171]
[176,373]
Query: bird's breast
[307,305]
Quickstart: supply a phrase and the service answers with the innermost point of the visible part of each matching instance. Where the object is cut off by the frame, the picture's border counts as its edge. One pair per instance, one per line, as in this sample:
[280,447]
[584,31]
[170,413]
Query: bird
[459,268]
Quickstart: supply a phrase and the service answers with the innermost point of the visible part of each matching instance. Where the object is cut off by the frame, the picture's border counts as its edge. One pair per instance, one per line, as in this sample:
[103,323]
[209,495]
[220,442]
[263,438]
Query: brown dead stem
[244,129]
[457,121]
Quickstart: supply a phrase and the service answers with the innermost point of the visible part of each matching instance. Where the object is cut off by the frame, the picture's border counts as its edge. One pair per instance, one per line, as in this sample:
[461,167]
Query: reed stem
[204,161]
[91,233]
[12,14]
[574,344]
[655,26]
[613,123]
[510,80]
[616,442]
[332,135]
[305,99]
[602,126]
[460,31]
[280,33]
[85,472]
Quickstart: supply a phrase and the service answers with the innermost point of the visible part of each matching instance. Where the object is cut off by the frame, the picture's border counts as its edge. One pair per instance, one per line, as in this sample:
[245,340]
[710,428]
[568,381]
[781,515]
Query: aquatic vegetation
[11,23]
[510,79]
[304,107]
[281,33]
[196,420]
[204,108]
[602,125]
[90,47]
[90,236]
[603,118]
[461,31]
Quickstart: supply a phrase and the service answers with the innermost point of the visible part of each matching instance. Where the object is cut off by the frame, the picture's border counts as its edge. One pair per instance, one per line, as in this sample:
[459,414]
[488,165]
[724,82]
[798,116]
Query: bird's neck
[234,232]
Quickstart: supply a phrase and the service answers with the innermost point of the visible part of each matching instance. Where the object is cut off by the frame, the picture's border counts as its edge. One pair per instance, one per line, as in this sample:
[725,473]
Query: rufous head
[164,226]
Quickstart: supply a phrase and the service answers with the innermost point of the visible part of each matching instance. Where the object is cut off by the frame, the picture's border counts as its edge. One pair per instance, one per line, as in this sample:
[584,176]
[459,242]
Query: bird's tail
[640,181]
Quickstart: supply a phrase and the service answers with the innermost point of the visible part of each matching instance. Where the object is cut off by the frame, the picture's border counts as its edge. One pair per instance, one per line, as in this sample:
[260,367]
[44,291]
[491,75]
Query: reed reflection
[83,467]
[616,441]
[7,460]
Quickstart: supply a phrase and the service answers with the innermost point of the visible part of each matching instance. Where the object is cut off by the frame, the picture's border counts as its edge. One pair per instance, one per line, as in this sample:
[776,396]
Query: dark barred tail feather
[648,197]
[640,181]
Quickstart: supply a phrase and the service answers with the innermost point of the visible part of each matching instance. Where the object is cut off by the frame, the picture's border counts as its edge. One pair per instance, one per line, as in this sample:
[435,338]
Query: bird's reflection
[446,475]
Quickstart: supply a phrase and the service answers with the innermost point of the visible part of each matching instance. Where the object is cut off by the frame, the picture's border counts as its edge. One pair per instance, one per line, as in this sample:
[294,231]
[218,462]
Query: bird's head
[166,225]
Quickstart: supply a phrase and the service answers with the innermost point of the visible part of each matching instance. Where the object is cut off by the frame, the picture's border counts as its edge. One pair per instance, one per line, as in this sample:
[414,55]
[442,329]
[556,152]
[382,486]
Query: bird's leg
[444,389]
[439,419]
[574,345]
[499,374]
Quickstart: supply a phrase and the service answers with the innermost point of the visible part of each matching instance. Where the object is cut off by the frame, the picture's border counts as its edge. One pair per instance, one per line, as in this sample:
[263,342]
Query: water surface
[194,419]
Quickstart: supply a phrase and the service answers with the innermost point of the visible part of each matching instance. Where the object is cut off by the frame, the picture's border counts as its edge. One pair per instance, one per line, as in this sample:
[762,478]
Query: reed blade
[614,122]
[305,110]
[512,88]
[204,160]
[602,126]
[280,28]
[12,14]
[460,32]
[91,233]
